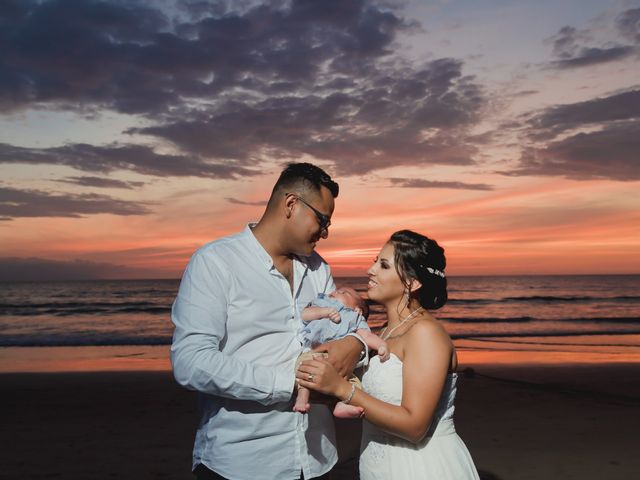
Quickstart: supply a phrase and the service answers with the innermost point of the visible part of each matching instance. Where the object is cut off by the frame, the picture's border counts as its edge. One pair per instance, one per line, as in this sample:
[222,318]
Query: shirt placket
[301,420]
[299,272]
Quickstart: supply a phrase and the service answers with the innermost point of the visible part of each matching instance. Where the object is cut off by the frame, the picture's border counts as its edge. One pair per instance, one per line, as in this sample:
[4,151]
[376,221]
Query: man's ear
[289,201]
[415,285]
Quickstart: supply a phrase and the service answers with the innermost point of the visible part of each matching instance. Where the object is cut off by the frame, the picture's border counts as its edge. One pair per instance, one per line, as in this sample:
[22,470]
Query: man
[237,338]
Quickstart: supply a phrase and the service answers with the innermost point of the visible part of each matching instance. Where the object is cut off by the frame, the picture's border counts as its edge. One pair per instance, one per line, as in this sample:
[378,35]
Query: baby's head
[350,299]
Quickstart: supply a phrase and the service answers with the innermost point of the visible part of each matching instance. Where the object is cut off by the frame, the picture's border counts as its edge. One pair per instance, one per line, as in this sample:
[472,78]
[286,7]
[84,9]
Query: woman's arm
[427,356]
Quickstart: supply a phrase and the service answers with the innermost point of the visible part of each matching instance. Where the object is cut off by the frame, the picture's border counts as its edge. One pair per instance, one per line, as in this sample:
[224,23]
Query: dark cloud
[565,42]
[34,203]
[239,81]
[15,269]
[101,182]
[525,93]
[558,119]
[592,56]
[404,116]
[242,202]
[136,158]
[133,57]
[573,47]
[594,139]
[610,153]
[628,23]
[421,183]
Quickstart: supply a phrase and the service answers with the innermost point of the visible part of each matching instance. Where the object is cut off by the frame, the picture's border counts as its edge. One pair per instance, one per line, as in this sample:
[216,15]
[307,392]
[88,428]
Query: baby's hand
[384,353]
[333,315]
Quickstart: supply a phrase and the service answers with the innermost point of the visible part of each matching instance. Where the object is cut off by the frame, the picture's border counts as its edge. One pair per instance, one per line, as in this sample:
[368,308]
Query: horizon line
[148,279]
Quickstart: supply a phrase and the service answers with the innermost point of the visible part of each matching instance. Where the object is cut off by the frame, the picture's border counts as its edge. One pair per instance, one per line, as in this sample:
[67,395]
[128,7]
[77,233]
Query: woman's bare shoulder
[428,330]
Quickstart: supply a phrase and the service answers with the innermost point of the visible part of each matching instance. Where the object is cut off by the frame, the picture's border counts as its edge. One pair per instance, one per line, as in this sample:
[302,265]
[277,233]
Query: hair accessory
[434,271]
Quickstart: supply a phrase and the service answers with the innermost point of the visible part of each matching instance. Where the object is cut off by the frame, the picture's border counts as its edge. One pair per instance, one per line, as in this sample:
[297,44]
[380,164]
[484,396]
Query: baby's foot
[384,353]
[342,410]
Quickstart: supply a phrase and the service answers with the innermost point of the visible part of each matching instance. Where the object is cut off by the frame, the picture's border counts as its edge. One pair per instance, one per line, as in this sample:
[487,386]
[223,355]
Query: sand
[520,422]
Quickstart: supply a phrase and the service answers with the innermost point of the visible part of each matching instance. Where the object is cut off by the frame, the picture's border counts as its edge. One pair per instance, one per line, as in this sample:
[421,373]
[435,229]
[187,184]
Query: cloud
[398,115]
[555,120]
[610,153]
[34,203]
[14,269]
[628,23]
[235,83]
[137,158]
[420,183]
[593,55]
[86,53]
[574,47]
[235,201]
[134,58]
[594,139]
[101,182]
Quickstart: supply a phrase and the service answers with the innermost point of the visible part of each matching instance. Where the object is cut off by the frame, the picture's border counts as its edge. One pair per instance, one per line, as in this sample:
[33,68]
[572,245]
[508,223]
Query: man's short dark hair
[304,176]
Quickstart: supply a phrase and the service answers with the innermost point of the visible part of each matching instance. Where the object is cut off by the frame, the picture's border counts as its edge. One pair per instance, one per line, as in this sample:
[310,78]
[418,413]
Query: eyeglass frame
[323,220]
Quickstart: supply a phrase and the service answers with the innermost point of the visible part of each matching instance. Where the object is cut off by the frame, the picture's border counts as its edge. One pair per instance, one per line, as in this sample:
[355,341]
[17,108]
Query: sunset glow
[507,131]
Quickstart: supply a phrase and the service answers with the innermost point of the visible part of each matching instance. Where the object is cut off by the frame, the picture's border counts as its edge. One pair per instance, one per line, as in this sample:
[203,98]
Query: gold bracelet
[350,397]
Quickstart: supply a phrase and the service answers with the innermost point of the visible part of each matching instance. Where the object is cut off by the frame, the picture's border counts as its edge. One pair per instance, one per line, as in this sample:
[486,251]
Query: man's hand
[343,354]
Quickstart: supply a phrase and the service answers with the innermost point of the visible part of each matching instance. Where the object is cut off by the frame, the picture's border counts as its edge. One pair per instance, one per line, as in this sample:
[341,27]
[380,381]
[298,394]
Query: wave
[487,319]
[64,309]
[81,340]
[533,319]
[113,339]
[521,334]
[537,299]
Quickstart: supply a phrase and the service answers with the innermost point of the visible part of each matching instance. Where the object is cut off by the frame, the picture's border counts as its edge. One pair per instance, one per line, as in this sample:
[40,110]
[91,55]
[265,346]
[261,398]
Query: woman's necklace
[384,335]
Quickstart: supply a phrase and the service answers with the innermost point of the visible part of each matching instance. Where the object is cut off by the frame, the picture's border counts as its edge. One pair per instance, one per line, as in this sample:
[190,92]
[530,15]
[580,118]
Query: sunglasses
[323,220]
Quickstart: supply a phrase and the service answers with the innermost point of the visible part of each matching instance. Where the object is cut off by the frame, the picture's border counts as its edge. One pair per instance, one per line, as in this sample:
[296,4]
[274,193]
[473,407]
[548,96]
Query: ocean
[525,310]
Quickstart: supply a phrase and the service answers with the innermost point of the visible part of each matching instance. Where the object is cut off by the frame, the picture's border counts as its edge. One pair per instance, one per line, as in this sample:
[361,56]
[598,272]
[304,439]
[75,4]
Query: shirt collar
[264,256]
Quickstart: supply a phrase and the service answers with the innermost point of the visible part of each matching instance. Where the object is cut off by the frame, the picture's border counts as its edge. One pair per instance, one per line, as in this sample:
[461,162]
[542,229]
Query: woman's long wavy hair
[414,255]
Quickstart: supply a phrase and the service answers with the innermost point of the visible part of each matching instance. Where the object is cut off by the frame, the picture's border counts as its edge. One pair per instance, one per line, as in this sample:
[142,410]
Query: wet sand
[521,421]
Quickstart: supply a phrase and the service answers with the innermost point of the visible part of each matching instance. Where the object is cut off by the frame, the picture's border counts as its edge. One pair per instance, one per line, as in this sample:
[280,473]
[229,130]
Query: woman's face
[384,282]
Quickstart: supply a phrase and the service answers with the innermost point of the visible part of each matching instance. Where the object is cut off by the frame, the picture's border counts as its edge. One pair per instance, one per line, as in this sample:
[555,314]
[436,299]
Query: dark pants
[203,473]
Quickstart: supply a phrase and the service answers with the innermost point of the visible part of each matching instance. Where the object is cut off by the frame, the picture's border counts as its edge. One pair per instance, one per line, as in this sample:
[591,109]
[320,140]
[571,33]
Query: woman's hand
[321,376]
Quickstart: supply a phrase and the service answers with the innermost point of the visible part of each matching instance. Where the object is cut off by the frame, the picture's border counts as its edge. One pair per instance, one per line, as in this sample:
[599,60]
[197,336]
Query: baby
[346,312]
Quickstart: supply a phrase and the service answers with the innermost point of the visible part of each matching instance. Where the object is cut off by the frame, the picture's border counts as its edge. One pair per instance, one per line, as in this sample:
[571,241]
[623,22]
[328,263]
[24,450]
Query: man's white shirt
[236,339]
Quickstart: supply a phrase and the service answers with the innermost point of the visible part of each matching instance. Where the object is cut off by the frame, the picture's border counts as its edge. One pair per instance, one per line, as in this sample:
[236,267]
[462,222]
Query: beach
[523,419]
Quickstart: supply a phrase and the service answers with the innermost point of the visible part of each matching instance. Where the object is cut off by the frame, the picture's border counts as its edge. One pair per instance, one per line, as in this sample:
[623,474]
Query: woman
[408,431]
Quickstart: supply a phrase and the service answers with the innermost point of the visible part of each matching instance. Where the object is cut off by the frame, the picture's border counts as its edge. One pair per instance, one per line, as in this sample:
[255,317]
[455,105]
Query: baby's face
[347,296]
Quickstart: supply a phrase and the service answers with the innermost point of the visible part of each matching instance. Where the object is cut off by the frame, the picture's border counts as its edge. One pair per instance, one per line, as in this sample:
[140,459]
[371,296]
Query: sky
[134,132]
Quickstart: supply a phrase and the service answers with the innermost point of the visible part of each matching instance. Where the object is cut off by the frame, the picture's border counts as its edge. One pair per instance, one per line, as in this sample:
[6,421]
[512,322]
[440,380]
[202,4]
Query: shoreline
[549,351]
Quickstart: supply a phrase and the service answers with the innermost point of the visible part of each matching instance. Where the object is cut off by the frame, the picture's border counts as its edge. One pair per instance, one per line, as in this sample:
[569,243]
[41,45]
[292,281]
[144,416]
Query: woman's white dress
[441,454]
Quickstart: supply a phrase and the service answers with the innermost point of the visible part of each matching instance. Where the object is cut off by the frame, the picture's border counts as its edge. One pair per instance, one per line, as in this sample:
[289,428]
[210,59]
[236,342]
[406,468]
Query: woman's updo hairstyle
[420,258]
